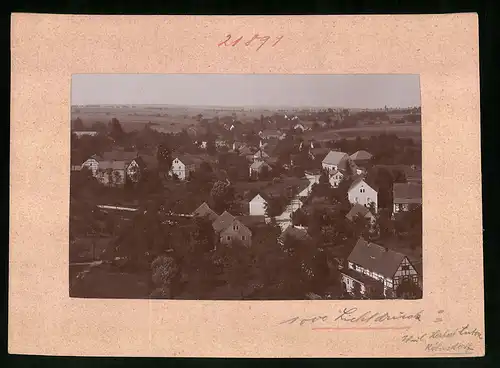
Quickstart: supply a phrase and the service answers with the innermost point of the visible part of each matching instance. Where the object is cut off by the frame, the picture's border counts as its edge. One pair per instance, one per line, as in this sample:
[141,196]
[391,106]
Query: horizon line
[244,106]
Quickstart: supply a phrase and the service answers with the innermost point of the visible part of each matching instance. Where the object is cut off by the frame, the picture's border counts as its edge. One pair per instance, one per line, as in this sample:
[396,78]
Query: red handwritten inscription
[258,40]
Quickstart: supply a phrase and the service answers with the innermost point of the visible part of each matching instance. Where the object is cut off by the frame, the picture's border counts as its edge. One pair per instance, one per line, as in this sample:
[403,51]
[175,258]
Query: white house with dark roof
[362,193]
[183,166]
[374,269]
[335,160]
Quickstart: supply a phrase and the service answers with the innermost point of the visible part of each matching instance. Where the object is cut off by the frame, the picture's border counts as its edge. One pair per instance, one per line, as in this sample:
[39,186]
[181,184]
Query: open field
[174,119]
[169,119]
[401,130]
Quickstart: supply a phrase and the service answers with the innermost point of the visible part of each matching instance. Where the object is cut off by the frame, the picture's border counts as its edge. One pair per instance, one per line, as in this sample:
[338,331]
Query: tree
[222,195]
[275,205]
[164,156]
[164,269]
[99,127]
[116,130]
[264,172]
[78,124]
[134,173]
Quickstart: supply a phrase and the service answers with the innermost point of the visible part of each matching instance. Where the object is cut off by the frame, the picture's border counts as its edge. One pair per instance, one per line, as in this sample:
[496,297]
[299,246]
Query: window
[362,190]
[243,237]
[228,238]
[405,268]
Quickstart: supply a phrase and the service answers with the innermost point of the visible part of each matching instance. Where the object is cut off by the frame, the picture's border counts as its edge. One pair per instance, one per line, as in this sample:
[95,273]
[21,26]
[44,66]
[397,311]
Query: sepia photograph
[245,186]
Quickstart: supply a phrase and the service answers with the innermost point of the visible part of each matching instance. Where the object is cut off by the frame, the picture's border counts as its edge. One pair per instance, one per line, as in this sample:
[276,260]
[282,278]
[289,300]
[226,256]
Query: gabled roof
[113,165]
[118,156]
[356,210]
[245,150]
[335,158]
[376,258]
[205,210]
[335,172]
[407,192]
[223,221]
[260,153]
[361,156]
[359,179]
[147,161]
[319,152]
[189,159]
[257,164]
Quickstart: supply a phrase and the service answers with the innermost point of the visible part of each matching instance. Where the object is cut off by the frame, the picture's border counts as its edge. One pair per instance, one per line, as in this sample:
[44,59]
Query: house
[270,134]
[204,210]
[260,155]
[112,173]
[229,229]
[359,210]
[252,221]
[362,193]
[119,155]
[183,166]
[146,162]
[335,177]
[257,206]
[361,157]
[413,174]
[373,269]
[92,164]
[305,191]
[296,233]
[257,168]
[141,165]
[406,196]
[335,160]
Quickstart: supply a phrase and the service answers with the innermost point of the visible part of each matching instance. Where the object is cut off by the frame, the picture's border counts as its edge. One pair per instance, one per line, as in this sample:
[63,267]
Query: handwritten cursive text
[259,40]
[351,315]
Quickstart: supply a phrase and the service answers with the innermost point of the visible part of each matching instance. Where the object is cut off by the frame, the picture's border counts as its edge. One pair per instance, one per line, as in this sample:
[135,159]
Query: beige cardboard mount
[48,49]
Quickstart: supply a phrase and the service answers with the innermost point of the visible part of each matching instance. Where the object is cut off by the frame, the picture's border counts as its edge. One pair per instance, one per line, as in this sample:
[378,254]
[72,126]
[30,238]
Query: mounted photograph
[245,186]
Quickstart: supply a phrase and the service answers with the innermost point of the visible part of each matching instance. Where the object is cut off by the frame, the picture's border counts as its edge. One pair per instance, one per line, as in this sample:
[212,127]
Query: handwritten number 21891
[261,39]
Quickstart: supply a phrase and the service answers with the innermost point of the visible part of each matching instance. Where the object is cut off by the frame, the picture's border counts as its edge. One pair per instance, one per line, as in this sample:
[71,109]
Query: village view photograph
[245,187]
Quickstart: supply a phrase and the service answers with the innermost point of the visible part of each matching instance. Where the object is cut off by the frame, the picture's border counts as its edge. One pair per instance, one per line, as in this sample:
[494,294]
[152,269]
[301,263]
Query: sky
[242,90]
